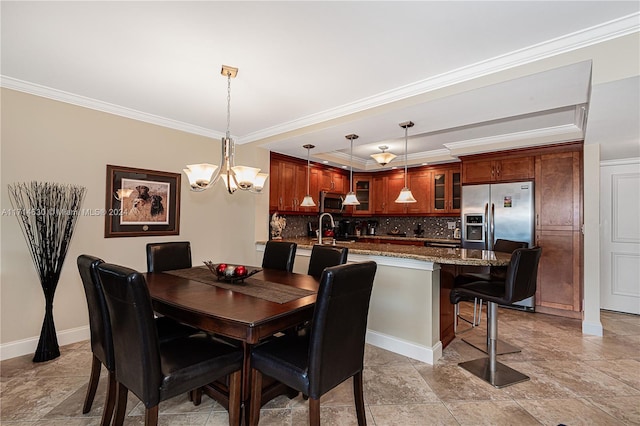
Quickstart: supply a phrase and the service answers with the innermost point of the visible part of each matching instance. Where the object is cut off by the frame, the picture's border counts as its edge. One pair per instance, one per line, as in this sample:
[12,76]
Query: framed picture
[141,202]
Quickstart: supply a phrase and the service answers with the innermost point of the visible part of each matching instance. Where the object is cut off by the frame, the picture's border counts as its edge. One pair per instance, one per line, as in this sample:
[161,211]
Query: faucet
[333,225]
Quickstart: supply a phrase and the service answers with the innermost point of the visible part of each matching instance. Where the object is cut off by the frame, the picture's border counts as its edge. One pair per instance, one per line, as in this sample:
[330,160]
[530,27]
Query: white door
[620,236]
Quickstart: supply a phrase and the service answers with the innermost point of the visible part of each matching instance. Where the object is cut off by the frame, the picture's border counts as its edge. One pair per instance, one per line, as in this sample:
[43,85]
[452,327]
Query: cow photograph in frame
[141,202]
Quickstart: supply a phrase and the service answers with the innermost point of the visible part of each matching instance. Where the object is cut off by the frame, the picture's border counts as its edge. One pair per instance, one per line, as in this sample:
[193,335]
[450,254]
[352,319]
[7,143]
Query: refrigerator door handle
[493,226]
[486,225]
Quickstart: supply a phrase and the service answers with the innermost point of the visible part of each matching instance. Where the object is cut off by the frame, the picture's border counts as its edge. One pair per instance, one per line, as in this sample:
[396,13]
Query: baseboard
[409,349]
[28,346]
[592,328]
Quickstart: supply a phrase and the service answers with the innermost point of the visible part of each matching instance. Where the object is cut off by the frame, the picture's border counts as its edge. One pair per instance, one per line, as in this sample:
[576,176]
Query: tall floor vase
[47,214]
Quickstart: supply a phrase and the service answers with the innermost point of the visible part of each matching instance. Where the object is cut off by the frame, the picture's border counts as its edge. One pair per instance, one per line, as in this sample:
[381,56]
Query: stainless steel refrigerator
[502,210]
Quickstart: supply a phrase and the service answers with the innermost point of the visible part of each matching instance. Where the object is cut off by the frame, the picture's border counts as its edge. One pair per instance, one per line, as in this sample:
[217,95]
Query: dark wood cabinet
[420,183]
[491,170]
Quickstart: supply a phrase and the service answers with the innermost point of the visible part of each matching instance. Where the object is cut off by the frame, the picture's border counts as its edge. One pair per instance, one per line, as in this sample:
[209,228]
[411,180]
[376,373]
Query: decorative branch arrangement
[47,214]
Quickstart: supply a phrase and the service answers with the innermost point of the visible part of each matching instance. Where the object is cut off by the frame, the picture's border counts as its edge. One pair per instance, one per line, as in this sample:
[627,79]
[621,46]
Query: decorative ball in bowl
[228,272]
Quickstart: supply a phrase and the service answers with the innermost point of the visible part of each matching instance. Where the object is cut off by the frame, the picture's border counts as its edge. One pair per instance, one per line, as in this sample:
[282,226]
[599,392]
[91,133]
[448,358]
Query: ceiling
[474,76]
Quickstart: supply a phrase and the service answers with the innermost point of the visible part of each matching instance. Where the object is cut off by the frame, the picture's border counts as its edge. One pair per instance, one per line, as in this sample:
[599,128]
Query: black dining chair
[167,256]
[279,255]
[520,284]
[331,353]
[101,335]
[154,370]
[324,257]
[496,273]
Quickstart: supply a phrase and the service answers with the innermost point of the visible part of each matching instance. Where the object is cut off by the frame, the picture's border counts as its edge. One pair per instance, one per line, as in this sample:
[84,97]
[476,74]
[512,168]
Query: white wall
[46,140]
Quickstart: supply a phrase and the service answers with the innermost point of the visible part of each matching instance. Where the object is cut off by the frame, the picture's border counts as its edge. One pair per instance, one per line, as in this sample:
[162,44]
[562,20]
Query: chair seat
[169,329]
[184,362]
[286,357]
[491,291]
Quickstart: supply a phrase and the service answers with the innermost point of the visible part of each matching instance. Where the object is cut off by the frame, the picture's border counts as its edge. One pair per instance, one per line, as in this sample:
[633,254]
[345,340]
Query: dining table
[244,312]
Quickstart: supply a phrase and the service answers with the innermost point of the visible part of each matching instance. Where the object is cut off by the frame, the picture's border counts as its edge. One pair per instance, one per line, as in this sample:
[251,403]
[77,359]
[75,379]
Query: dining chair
[520,284]
[101,334]
[324,257]
[167,256]
[153,370]
[331,353]
[496,273]
[279,255]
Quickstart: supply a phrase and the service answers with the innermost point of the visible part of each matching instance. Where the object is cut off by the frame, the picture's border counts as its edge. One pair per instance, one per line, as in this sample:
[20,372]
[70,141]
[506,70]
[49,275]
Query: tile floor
[575,380]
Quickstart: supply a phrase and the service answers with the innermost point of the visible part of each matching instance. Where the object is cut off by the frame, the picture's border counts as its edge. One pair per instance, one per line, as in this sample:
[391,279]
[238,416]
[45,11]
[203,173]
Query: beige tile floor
[575,380]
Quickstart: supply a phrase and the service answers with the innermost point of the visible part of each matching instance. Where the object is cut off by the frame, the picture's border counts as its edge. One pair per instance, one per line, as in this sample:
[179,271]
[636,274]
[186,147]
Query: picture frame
[141,202]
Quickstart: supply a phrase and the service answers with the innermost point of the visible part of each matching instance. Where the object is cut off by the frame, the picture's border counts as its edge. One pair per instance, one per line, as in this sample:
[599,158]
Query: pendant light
[405,194]
[383,158]
[203,176]
[307,201]
[351,199]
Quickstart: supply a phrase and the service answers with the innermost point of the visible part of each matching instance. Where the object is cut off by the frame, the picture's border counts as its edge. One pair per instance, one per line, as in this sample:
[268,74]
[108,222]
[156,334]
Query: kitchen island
[410,312]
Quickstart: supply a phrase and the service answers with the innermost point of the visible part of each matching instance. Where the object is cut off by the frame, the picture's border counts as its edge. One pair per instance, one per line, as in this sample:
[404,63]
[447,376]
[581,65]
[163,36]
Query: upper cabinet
[446,190]
[362,188]
[385,190]
[491,170]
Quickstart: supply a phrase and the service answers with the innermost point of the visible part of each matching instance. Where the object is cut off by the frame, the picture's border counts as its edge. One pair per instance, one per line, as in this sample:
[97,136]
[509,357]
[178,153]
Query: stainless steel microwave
[331,202]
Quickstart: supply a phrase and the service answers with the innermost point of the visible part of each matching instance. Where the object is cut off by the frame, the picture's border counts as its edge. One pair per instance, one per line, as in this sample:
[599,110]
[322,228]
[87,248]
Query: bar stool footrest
[503,375]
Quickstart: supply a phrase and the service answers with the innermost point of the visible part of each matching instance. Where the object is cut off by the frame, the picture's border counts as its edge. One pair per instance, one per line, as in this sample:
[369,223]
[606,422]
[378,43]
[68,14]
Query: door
[620,238]
[512,209]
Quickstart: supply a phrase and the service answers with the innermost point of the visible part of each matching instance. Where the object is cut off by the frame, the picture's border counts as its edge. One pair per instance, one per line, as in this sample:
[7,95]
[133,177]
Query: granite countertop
[447,256]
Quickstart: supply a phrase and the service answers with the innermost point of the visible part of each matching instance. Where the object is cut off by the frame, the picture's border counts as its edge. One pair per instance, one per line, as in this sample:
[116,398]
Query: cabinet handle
[498,171]
[493,171]
[537,219]
[280,202]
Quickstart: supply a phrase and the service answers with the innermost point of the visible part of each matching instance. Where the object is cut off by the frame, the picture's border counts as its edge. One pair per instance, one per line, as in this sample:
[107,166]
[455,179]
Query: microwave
[331,202]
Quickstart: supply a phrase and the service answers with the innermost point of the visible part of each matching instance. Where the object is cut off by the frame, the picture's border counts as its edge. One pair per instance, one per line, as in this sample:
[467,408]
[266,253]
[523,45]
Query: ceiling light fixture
[307,201]
[383,158]
[405,194]
[351,199]
[203,176]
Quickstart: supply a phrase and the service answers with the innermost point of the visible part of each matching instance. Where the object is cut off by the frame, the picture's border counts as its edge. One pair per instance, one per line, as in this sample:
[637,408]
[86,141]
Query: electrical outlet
[451,225]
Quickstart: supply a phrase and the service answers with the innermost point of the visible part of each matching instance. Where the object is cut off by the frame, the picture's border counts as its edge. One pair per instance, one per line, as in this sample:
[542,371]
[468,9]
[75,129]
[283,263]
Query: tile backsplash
[434,227]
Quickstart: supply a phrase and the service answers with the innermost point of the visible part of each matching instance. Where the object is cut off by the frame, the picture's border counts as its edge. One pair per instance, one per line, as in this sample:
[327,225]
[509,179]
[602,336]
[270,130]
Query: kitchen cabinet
[558,189]
[446,190]
[288,186]
[385,190]
[419,181]
[363,189]
[333,181]
[491,170]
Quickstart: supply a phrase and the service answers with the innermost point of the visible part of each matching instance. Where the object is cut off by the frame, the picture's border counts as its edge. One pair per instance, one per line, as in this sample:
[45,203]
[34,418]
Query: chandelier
[203,176]
[383,158]
[405,194]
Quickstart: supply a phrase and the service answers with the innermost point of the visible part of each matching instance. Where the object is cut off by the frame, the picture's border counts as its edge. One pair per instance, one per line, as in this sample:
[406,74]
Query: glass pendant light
[307,201]
[405,194]
[383,158]
[351,199]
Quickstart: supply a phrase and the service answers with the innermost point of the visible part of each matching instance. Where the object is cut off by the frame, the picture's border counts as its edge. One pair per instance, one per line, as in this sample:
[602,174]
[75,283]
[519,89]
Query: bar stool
[520,284]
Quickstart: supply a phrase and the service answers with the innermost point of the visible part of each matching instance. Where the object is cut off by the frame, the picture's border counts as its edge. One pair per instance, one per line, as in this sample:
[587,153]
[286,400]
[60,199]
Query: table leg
[246,383]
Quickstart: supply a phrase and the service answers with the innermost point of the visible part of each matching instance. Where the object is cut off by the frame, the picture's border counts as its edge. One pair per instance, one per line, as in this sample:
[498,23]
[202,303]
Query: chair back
[339,325]
[324,257]
[135,338]
[508,246]
[168,256]
[522,274]
[99,322]
[279,255]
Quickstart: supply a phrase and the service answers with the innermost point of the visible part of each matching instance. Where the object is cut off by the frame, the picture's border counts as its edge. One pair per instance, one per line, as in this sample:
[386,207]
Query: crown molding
[569,42]
[563,44]
[85,102]
[621,162]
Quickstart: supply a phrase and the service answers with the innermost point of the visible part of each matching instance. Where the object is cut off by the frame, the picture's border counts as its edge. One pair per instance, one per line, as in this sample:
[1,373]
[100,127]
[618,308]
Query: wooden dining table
[267,302]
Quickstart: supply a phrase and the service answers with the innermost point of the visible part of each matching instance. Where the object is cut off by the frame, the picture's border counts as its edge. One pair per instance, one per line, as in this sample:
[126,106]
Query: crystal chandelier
[405,194]
[203,176]
[383,158]
[351,199]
